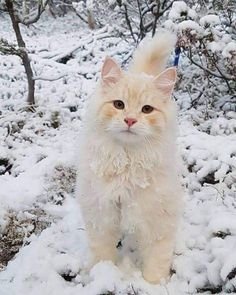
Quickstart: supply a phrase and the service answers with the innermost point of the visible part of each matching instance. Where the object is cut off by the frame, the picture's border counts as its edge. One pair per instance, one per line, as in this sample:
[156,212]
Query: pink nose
[130,121]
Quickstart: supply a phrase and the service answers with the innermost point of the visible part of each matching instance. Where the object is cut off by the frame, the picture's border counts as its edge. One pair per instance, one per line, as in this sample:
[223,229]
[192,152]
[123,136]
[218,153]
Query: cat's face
[134,108]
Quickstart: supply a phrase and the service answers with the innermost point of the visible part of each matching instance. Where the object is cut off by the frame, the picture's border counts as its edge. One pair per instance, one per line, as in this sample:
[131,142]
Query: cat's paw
[154,276]
[126,266]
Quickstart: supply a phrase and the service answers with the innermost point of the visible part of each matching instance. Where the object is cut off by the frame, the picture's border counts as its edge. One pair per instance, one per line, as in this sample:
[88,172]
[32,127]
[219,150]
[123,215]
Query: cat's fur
[128,182]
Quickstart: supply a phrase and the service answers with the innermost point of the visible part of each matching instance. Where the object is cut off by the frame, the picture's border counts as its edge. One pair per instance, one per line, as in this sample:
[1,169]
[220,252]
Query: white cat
[128,169]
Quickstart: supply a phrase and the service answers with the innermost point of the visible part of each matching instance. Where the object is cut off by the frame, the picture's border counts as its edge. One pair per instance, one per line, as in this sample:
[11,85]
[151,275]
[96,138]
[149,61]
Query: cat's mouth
[128,131]
[128,135]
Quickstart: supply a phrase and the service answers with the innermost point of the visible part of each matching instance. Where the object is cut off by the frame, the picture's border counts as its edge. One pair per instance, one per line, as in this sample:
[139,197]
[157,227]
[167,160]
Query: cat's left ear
[111,71]
[165,81]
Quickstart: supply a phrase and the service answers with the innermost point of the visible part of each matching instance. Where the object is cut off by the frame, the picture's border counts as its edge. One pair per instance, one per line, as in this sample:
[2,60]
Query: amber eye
[147,109]
[118,104]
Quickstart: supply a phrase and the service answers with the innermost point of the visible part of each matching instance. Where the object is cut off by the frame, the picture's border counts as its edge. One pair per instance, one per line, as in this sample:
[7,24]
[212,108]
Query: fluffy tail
[151,55]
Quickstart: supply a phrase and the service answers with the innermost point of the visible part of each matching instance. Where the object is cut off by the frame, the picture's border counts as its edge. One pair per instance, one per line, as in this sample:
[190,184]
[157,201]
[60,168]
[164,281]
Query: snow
[180,10]
[216,46]
[190,25]
[112,2]
[177,8]
[43,173]
[230,49]
[89,4]
[209,19]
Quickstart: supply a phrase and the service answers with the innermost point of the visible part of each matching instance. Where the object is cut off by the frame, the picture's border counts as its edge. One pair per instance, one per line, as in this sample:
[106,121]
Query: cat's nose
[130,121]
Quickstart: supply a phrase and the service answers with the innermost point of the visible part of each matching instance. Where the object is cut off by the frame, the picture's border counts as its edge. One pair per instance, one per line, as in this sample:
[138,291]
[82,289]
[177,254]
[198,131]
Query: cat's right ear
[166,80]
[111,71]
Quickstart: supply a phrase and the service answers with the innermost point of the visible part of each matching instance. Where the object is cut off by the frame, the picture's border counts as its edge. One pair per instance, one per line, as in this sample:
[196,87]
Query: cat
[127,159]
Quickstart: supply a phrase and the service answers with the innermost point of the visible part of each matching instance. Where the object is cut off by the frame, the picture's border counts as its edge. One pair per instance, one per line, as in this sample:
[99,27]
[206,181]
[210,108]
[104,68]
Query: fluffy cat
[128,170]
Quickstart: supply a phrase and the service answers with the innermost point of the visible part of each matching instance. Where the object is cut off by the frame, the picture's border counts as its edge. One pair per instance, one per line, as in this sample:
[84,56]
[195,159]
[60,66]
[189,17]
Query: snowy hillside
[43,247]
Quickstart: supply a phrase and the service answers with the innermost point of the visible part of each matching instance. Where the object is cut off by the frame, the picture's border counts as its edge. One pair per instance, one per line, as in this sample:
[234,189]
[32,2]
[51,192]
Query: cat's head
[134,108]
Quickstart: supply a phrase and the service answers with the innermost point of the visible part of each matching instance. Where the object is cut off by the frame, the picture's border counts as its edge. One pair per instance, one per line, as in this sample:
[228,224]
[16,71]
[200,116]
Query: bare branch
[81,17]
[128,23]
[44,78]
[9,49]
[141,25]
[189,56]
[40,9]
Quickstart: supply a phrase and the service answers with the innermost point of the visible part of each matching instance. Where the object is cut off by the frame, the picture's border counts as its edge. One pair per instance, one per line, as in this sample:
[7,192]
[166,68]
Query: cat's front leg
[156,218]
[157,258]
[102,227]
[103,240]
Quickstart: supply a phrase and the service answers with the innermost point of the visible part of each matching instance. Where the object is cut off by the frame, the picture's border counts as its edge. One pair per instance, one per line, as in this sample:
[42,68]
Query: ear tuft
[111,71]
[166,80]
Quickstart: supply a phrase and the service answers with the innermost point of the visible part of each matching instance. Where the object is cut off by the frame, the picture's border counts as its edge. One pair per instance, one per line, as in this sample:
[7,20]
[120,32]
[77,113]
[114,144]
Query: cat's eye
[147,109]
[118,104]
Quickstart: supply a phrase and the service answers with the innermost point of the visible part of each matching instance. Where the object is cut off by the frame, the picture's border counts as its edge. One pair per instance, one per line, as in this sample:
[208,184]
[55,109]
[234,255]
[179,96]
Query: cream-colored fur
[128,182]
[151,57]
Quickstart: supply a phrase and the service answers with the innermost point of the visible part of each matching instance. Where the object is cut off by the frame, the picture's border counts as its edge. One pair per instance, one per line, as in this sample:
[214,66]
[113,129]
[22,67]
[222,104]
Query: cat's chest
[123,170]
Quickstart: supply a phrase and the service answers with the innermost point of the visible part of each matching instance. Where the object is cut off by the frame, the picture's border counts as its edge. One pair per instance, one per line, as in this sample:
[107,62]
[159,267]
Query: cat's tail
[151,55]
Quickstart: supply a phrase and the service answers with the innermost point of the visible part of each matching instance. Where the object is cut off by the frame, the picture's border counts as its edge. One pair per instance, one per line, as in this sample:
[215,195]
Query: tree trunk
[91,22]
[24,56]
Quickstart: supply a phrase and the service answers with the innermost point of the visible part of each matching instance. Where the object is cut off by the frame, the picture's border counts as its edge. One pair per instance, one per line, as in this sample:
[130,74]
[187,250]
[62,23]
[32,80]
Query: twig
[128,22]
[203,68]
[49,78]
[41,8]
[141,25]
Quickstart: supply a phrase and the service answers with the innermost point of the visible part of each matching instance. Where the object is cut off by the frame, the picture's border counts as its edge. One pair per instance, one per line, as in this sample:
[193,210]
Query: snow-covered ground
[39,215]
